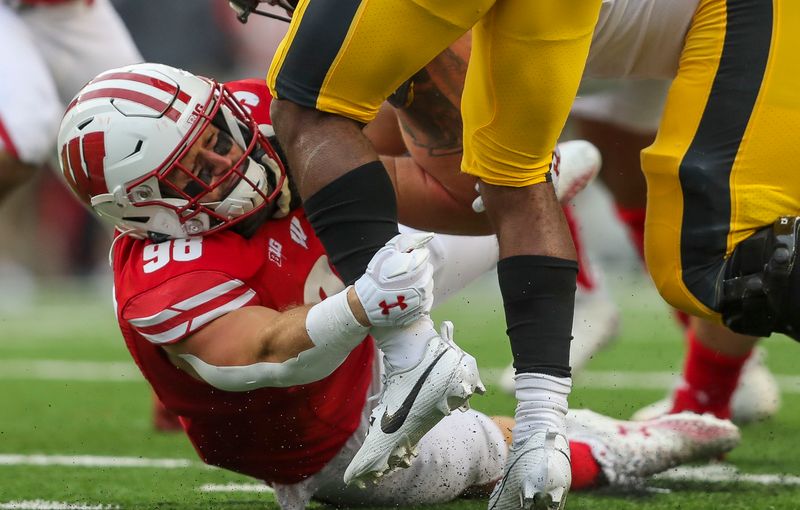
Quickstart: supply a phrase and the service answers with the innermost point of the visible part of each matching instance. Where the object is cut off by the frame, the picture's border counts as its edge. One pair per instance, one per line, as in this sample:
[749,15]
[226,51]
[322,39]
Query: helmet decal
[82,161]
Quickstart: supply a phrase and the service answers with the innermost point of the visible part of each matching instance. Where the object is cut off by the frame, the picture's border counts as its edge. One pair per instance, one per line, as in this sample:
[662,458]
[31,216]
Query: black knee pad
[761,286]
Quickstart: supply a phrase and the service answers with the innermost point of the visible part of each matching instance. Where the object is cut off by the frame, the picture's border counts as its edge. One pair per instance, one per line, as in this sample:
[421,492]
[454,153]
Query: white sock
[404,347]
[542,404]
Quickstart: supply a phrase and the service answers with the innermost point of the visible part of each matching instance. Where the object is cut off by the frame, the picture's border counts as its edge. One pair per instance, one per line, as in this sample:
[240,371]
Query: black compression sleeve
[539,301]
[354,216]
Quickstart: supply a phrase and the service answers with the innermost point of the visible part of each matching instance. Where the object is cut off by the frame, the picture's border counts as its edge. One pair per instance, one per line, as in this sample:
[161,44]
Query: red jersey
[167,291]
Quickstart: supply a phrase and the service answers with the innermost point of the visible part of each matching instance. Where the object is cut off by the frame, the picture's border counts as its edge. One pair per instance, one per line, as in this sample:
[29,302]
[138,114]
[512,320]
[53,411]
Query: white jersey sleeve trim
[207,317]
[169,335]
[208,295]
[234,293]
[153,320]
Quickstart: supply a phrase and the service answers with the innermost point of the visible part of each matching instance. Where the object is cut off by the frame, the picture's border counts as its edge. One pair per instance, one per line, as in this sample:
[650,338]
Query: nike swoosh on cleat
[391,423]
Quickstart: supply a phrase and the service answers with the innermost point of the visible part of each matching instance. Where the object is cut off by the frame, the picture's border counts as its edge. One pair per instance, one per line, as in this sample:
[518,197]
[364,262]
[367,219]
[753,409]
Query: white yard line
[613,380]
[725,473]
[38,504]
[123,371]
[235,487]
[117,371]
[713,473]
[93,461]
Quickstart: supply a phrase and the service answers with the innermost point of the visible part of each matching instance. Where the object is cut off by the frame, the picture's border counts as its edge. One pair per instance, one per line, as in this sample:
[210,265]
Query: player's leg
[527,59]
[331,73]
[29,107]
[465,453]
[13,172]
[622,121]
[463,450]
[79,40]
[629,452]
[596,319]
[722,374]
[338,63]
[714,362]
[720,168]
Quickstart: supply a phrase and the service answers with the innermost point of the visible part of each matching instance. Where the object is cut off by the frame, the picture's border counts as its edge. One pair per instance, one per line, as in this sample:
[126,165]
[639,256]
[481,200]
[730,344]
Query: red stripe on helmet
[147,80]
[136,97]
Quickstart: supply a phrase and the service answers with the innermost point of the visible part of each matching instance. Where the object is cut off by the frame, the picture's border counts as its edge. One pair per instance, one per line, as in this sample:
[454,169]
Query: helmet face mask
[125,142]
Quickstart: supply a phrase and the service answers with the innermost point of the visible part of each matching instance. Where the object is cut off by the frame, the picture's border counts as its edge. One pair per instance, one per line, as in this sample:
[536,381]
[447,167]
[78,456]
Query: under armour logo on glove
[385,308]
[397,287]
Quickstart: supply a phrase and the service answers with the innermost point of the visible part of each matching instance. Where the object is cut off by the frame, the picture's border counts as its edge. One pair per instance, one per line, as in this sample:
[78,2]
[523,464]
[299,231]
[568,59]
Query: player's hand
[397,287]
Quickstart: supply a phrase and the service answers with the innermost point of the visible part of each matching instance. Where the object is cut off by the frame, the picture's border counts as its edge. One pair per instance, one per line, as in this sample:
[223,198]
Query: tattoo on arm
[433,121]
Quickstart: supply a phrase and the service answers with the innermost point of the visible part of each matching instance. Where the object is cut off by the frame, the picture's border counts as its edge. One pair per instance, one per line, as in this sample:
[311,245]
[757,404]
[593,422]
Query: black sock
[539,301]
[354,216]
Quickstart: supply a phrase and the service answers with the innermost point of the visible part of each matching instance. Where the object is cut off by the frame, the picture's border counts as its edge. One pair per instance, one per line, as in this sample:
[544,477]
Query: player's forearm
[297,346]
[288,336]
[395,290]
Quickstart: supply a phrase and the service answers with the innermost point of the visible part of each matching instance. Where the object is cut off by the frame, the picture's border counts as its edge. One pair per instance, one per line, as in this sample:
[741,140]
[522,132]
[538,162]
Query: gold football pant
[725,161]
[346,56]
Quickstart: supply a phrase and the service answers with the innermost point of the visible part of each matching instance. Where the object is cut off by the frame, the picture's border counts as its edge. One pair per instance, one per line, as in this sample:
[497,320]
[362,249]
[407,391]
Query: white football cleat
[756,398]
[411,402]
[537,475]
[757,395]
[628,452]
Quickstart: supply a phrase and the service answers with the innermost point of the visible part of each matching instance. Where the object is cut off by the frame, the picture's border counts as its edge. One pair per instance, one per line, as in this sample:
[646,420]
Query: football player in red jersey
[227,301]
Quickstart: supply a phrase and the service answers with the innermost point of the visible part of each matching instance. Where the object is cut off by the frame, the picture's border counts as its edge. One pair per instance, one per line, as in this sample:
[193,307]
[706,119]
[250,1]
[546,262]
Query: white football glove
[397,287]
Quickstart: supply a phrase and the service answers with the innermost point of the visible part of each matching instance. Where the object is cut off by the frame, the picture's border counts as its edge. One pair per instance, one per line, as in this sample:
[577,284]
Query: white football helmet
[123,136]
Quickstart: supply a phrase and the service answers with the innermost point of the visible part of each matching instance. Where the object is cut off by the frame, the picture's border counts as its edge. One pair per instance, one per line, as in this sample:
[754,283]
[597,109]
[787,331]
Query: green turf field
[78,434]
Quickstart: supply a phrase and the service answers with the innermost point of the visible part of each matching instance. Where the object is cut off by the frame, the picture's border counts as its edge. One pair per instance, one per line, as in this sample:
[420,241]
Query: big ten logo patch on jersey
[247,99]
[297,233]
[275,252]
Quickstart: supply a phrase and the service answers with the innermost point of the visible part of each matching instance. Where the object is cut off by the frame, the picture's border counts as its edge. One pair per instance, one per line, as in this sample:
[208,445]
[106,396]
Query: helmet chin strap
[243,198]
